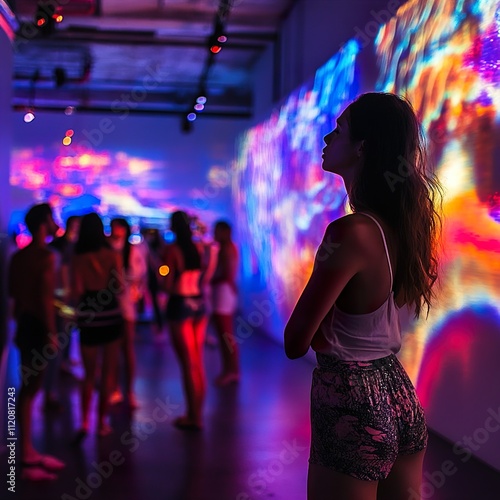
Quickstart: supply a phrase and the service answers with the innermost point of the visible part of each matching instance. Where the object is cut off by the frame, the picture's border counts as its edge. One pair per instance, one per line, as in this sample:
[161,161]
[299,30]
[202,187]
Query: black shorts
[99,318]
[34,346]
[180,307]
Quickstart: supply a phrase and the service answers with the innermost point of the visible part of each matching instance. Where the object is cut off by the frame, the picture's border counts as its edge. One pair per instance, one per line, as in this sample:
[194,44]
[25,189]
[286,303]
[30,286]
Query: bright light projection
[138,186]
[445,57]
[112,183]
[283,198]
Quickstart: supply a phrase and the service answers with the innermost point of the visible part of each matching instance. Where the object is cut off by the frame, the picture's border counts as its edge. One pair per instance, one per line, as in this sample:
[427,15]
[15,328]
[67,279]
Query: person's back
[96,283]
[364,324]
[186,316]
[184,282]
[96,269]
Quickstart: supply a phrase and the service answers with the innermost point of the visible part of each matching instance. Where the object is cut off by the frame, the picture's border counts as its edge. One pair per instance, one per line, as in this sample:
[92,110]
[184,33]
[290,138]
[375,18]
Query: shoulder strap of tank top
[383,238]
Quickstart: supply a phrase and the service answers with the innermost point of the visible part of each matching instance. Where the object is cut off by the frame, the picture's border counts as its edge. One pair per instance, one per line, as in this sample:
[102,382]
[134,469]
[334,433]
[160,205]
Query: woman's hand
[319,342]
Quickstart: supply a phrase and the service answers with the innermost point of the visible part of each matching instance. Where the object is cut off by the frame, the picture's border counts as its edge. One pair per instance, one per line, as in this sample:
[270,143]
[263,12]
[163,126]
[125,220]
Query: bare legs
[128,350]
[224,324]
[29,388]
[129,355]
[108,369]
[188,337]
[36,466]
[404,480]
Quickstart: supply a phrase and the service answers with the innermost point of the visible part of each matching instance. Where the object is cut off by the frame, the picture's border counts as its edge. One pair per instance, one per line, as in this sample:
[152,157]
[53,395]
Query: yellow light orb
[164,270]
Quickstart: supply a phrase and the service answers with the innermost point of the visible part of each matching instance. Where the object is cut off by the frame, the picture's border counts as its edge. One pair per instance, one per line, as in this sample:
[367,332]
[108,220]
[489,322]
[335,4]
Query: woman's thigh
[324,483]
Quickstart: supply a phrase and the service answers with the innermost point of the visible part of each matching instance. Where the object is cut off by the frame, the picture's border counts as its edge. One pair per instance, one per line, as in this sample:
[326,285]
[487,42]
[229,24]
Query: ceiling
[149,56]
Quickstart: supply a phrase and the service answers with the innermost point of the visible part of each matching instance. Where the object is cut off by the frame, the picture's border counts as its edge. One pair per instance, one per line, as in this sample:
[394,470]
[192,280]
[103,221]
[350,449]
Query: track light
[214,43]
[29,115]
[47,16]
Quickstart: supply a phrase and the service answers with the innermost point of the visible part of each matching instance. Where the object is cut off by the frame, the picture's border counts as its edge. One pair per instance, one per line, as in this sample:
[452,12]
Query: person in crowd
[96,283]
[369,433]
[134,266]
[31,284]
[225,302]
[186,316]
[63,247]
[209,249]
[155,245]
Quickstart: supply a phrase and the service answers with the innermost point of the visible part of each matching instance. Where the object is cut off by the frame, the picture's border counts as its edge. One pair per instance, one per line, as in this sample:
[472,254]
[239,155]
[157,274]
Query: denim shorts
[363,415]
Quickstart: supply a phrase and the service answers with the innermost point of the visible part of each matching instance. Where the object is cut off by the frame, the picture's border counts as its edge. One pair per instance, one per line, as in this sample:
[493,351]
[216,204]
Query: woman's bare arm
[339,257]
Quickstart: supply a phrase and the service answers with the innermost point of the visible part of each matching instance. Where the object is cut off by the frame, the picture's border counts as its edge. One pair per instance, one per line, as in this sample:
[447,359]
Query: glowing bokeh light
[29,117]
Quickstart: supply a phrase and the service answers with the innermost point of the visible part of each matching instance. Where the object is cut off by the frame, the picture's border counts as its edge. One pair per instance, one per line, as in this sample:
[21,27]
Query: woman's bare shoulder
[350,226]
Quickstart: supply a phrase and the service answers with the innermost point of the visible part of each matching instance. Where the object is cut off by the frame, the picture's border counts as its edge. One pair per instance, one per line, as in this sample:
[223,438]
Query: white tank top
[363,337]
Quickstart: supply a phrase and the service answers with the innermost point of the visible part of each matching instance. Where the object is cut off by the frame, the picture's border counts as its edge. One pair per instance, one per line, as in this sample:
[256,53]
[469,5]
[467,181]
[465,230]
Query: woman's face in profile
[341,155]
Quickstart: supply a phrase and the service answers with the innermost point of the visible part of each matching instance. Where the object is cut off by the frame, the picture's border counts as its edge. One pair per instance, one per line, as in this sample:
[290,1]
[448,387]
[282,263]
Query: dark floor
[254,445]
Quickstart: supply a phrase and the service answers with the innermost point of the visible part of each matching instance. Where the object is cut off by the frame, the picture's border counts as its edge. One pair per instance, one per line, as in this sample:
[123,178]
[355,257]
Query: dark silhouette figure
[369,433]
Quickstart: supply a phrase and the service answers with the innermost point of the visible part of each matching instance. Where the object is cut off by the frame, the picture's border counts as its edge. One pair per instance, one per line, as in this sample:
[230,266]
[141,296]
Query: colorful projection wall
[445,57]
[279,188]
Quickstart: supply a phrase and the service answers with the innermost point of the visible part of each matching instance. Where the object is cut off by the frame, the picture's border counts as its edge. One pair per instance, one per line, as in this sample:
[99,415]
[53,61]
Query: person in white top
[135,269]
[225,303]
[368,430]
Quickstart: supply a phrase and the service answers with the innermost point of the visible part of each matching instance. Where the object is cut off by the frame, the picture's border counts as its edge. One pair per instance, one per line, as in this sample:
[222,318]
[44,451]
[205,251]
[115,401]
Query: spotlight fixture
[215,42]
[45,18]
[29,115]
[218,37]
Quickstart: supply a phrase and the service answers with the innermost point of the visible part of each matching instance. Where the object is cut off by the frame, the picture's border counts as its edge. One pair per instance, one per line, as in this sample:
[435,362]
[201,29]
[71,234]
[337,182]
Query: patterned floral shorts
[363,415]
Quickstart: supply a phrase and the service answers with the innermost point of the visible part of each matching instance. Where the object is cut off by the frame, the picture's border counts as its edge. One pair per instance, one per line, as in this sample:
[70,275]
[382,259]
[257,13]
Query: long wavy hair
[395,183]
[181,227]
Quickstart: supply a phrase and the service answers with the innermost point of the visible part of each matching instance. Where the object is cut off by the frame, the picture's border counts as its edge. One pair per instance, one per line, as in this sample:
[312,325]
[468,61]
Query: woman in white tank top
[369,434]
